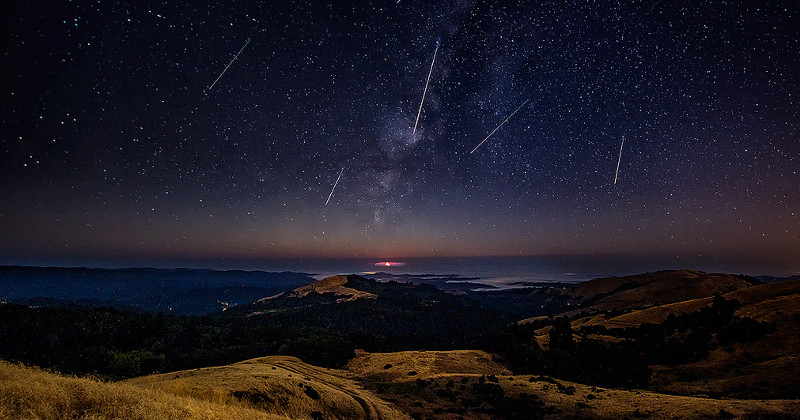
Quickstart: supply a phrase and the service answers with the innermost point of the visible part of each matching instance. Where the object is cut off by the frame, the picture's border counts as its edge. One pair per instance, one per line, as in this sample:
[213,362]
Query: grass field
[30,393]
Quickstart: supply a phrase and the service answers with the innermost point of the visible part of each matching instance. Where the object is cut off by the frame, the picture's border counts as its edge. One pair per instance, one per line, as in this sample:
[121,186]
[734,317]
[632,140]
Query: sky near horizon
[287,129]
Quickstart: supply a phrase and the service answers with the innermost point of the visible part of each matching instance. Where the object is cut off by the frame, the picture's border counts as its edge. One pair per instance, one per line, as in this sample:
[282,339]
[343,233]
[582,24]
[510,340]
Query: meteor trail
[498,127]
[426,87]
[334,186]
[229,64]
[619,160]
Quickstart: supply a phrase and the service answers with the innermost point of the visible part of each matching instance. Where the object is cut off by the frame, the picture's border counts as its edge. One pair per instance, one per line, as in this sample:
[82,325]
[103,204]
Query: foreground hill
[418,384]
[467,384]
[436,385]
[30,393]
[277,385]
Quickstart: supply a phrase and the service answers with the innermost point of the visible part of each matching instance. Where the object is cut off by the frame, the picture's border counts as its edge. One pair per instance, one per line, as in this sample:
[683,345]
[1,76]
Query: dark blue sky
[113,145]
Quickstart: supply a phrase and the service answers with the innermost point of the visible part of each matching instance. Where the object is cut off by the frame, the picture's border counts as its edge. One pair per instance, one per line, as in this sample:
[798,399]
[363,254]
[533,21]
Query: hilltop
[277,385]
[336,285]
[653,289]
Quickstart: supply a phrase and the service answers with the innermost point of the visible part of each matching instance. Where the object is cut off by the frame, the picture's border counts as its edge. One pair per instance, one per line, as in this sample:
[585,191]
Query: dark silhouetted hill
[179,291]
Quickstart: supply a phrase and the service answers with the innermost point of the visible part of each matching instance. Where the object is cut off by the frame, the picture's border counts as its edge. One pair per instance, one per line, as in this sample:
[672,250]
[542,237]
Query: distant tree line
[117,343]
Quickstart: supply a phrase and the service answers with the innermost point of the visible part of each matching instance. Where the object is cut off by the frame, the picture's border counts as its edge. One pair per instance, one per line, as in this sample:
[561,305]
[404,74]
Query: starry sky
[114,143]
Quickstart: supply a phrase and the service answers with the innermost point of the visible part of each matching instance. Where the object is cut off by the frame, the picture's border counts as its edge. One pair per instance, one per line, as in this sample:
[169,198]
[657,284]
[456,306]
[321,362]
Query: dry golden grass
[276,387]
[442,396]
[373,366]
[30,393]
[613,403]
[277,384]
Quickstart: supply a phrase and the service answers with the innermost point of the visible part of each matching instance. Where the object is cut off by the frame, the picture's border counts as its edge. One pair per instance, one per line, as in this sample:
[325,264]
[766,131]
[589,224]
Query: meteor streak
[498,127]
[619,160]
[426,87]
[334,186]
[229,64]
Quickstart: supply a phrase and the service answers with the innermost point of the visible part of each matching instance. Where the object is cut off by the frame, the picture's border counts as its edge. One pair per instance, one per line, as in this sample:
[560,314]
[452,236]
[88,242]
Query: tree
[561,334]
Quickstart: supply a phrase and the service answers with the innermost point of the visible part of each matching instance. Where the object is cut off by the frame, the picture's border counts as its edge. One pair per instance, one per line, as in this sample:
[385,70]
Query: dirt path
[371,411]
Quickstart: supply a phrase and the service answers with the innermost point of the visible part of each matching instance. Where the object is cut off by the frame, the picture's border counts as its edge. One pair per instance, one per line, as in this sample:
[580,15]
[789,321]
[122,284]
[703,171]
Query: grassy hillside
[30,393]
[450,384]
[651,289]
[525,396]
[754,354]
[335,285]
[386,367]
[468,383]
[278,385]
[769,366]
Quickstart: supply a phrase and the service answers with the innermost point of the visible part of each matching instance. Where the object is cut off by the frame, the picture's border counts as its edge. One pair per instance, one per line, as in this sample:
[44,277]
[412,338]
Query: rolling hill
[470,386]
[336,285]
[278,385]
[653,289]
[756,367]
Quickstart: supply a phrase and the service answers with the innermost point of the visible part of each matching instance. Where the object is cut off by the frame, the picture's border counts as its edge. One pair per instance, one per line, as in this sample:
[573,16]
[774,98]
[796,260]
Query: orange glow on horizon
[389,264]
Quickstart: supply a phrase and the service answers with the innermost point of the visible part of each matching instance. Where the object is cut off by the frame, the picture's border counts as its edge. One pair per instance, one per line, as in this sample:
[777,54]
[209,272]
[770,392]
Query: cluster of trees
[118,344]
[590,361]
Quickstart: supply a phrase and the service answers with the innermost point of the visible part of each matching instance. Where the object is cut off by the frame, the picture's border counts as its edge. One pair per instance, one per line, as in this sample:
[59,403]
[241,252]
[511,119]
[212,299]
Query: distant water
[506,271]
[496,271]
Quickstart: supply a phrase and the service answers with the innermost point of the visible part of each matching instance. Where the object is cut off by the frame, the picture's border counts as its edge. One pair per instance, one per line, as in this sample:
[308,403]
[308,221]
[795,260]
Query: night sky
[114,145]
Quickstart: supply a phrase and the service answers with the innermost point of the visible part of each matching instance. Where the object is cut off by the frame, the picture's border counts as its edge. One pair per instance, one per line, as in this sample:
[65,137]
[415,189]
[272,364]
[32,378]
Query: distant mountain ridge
[179,291]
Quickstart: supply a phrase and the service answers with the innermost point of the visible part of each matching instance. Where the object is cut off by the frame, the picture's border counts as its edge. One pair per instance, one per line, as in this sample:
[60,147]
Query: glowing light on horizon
[390,264]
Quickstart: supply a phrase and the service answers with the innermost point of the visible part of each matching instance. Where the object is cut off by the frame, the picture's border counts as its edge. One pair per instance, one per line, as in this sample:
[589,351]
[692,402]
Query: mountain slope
[278,385]
[756,355]
[335,285]
[766,367]
[652,289]
[469,384]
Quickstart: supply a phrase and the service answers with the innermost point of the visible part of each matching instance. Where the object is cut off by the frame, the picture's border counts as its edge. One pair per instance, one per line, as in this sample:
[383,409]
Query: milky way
[112,145]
